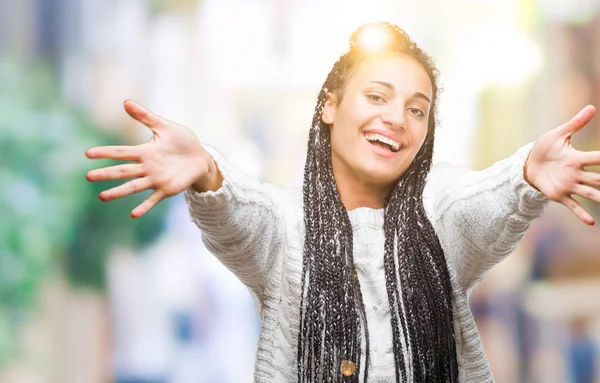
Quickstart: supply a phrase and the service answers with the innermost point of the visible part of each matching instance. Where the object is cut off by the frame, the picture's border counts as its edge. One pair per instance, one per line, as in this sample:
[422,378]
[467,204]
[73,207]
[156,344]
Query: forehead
[404,72]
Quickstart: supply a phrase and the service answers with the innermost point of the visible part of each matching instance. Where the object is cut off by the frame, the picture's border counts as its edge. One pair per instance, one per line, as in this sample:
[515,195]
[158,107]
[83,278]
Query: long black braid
[332,313]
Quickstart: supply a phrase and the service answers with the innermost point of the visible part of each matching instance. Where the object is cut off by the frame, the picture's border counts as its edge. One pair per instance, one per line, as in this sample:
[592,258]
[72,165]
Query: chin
[380,176]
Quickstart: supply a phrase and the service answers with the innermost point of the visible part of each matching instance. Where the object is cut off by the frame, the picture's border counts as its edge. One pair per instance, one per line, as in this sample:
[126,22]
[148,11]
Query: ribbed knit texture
[257,231]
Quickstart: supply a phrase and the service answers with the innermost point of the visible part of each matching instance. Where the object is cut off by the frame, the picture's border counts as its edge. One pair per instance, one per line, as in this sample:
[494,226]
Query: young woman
[364,274]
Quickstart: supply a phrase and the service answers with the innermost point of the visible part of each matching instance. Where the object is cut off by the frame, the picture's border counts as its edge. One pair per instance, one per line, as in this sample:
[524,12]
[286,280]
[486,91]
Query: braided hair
[332,313]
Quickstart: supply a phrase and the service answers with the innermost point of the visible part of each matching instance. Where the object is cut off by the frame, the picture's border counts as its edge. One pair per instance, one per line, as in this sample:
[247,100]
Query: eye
[375,98]
[417,112]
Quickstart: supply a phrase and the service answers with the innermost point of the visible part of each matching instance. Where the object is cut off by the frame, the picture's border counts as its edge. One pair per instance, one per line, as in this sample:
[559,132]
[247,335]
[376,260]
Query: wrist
[527,175]
[211,178]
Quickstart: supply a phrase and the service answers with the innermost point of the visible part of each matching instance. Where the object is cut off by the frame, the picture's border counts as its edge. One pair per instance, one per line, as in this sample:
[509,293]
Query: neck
[355,193]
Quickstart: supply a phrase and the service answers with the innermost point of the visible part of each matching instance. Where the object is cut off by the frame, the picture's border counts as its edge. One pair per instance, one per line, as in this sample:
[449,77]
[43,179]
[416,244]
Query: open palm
[170,162]
[557,169]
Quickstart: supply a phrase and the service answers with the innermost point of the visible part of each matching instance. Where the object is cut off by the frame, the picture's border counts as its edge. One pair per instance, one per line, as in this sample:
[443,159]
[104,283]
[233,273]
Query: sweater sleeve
[480,216]
[241,223]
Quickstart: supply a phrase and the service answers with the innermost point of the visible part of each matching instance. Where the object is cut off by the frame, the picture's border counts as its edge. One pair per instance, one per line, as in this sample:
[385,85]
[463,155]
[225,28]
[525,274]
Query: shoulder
[441,180]
[444,174]
[293,200]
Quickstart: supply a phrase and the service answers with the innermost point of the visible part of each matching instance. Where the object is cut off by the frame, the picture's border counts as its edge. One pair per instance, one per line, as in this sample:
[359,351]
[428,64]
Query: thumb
[141,114]
[577,122]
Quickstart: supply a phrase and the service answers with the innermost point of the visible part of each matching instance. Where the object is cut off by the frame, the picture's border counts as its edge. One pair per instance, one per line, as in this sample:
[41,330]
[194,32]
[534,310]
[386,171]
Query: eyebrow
[391,87]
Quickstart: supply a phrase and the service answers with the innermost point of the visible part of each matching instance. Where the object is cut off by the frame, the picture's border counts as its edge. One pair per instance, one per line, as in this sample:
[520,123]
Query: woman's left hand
[557,169]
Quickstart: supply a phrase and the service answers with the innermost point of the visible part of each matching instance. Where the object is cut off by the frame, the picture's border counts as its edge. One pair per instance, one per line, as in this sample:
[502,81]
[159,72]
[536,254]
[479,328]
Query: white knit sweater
[257,231]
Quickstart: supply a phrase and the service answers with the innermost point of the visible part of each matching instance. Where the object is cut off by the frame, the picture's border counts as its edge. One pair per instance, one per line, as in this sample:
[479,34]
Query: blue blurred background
[89,295]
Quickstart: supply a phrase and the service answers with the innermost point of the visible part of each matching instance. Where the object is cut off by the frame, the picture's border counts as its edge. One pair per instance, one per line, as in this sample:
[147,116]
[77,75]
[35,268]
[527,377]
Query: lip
[384,152]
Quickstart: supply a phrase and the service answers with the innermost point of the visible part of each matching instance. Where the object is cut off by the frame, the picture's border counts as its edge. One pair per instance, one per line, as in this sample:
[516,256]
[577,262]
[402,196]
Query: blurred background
[89,295]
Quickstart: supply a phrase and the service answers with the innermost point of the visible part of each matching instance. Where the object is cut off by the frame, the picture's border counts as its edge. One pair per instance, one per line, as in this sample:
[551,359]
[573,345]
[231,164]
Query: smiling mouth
[383,142]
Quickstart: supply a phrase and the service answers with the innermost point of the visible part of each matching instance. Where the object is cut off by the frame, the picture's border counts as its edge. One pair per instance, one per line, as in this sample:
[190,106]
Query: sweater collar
[366,216]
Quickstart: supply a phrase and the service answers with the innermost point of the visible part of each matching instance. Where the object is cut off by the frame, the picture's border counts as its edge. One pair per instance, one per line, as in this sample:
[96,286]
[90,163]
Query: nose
[394,118]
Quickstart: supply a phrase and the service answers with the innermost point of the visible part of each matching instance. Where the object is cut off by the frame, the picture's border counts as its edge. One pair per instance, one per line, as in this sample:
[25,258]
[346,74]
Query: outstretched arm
[239,217]
[241,222]
[482,215]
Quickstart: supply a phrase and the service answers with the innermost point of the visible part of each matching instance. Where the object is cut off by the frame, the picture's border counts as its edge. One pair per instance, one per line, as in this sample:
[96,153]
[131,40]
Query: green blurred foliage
[51,220]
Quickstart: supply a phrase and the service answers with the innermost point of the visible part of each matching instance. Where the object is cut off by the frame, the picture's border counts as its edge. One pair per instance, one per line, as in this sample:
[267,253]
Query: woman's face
[381,122]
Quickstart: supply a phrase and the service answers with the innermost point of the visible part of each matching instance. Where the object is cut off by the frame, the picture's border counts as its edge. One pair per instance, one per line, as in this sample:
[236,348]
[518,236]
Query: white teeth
[378,137]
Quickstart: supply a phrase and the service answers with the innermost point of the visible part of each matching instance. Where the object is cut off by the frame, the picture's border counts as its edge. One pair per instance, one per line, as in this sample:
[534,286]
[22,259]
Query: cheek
[423,129]
[418,140]
[345,132]
[353,114]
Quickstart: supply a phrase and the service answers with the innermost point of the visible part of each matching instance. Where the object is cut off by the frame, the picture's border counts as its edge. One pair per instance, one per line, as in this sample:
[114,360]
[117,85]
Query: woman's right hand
[172,161]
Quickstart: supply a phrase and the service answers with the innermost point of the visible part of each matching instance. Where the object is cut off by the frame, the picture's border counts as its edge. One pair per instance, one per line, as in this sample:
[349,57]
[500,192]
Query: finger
[587,192]
[578,121]
[128,188]
[147,204]
[590,178]
[579,211]
[118,172]
[116,152]
[589,158]
[141,114]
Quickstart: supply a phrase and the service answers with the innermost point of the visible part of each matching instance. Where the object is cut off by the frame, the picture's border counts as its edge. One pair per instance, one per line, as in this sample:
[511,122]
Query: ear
[329,108]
